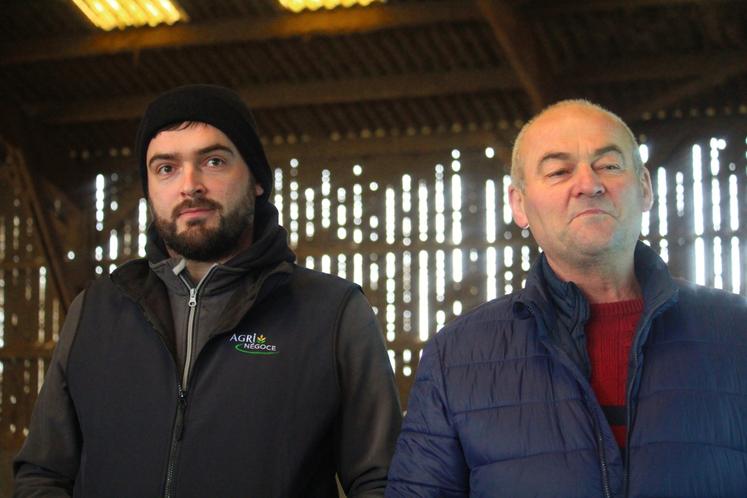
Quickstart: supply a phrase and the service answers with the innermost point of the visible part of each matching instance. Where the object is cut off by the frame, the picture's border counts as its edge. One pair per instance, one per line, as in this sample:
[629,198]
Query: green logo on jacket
[253,344]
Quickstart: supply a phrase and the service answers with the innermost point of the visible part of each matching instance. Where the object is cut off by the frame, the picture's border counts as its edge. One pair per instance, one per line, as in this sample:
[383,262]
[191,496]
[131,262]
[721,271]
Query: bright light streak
[736,283]
[113,245]
[423,211]
[490,273]
[698,191]
[457,265]
[390,212]
[506,204]
[718,281]
[661,192]
[490,211]
[700,278]
[423,314]
[733,203]
[643,149]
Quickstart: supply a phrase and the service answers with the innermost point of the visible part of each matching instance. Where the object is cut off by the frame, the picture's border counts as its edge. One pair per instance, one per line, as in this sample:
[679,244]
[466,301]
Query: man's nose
[587,181]
[192,183]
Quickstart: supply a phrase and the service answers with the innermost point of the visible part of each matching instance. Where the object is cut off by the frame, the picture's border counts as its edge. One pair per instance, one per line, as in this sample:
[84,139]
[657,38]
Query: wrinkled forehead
[571,129]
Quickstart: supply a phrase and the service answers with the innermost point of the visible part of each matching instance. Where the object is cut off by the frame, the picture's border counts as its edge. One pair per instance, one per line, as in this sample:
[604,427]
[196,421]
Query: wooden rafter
[552,7]
[643,68]
[290,94]
[334,22]
[390,146]
[712,76]
[517,42]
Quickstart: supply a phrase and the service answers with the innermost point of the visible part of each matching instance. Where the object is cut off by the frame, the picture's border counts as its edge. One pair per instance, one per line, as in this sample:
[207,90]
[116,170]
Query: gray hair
[517,167]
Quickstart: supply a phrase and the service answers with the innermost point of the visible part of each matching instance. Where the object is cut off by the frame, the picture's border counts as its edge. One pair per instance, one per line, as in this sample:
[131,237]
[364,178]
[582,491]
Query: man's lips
[589,212]
[194,211]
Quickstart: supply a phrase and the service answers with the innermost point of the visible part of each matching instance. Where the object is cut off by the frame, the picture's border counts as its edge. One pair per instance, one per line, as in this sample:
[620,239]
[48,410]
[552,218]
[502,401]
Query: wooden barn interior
[389,128]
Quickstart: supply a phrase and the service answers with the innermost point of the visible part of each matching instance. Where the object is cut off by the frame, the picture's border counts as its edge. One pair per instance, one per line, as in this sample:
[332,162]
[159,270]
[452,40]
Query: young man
[603,377]
[215,366]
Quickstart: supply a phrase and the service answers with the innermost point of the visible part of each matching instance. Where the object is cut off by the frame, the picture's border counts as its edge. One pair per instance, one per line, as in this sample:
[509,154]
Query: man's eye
[611,166]
[164,169]
[215,161]
[557,173]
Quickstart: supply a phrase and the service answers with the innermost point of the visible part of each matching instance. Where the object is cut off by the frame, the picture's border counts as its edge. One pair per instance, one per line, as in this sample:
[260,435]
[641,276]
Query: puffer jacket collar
[563,310]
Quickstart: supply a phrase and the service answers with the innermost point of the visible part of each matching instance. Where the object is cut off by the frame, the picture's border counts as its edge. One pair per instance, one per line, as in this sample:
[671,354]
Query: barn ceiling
[398,76]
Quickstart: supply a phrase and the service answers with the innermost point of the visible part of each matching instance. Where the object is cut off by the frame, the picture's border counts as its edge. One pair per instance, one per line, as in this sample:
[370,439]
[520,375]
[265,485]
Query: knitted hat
[214,105]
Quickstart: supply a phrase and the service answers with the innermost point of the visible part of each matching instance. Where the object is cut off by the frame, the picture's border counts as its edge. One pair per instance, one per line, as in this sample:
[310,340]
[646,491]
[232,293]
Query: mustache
[195,204]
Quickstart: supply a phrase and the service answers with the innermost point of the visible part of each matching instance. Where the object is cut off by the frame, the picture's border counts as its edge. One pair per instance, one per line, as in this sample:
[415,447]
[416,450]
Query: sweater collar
[547,292]
[563,310]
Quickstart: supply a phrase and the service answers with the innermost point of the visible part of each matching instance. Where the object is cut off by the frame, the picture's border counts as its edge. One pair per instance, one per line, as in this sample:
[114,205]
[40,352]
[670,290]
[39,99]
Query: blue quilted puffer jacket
[502,405]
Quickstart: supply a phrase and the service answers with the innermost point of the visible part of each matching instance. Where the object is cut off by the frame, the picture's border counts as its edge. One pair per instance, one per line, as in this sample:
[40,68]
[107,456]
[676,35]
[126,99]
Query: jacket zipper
[181,406]
[598,434]
[629,423]
[190,333]
[658,310]
[192,303]
[603,462]
[176,437]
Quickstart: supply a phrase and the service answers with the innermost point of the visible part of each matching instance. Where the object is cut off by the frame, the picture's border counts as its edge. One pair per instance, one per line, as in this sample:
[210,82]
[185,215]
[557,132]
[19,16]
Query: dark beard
[198,243]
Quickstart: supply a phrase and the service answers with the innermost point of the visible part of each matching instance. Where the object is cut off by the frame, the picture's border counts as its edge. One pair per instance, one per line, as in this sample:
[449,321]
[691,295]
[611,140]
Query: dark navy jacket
[502,405]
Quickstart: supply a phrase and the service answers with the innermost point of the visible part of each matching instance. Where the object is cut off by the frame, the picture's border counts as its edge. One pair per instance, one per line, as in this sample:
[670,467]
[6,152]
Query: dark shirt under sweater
[609,337]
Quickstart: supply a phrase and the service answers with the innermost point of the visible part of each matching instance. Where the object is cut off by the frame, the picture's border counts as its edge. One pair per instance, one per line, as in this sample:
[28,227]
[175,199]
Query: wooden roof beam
[390,146]
[516,40]
[335,22]
[711,78]
[554,7]
[663,66]
[293,94]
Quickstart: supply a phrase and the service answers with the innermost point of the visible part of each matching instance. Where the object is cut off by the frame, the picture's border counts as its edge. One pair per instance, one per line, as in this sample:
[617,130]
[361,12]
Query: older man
[604,376]
[215,367]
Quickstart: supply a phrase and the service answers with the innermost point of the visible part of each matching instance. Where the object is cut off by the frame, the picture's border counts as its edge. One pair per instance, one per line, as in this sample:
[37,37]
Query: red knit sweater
[609,336]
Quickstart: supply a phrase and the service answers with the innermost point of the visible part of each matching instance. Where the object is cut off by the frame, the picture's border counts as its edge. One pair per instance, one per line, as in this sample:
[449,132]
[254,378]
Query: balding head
[518,155]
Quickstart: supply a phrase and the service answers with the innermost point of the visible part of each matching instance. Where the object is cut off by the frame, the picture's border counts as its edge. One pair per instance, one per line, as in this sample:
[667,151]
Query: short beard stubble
[199,243]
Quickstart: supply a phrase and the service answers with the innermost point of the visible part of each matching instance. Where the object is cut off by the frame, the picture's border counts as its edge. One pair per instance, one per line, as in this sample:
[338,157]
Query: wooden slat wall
[408,275]
[30,312]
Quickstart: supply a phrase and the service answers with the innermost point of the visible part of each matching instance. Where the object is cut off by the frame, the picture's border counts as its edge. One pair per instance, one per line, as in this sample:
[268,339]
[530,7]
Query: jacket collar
[269,249]
[563,310]
[247,278]
[268,252]
[546,291]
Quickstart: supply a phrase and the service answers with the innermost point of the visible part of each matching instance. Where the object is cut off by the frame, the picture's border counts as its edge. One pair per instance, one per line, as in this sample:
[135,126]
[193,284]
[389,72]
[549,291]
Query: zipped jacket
[283,381]
[502,405]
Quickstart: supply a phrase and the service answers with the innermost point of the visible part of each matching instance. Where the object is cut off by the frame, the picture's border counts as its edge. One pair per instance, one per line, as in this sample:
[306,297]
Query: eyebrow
[205,150]
[564,156]
[560,156]
[214,148]
[608,148]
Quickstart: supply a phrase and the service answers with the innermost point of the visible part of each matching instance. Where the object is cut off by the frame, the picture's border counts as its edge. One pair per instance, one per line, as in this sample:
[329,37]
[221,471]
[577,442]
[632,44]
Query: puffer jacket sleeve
[428,459]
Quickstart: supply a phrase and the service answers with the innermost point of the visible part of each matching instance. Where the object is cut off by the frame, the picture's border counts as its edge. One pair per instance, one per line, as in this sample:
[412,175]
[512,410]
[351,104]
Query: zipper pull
[192,297]
[179,429]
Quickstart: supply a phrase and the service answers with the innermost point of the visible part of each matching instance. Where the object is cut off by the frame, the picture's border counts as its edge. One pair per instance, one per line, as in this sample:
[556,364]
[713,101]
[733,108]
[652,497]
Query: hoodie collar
[269,249]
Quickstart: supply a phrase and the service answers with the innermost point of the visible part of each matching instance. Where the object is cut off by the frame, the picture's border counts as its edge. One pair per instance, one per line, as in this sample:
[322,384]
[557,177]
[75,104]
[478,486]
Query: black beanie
[214,105]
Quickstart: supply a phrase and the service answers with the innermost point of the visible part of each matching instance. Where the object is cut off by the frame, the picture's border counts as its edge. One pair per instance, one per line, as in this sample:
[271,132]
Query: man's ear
[258,190]
[647,189]
[516,198]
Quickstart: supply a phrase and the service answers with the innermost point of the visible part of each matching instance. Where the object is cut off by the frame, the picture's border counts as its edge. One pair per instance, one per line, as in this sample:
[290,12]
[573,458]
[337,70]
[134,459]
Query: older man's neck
[601,282]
